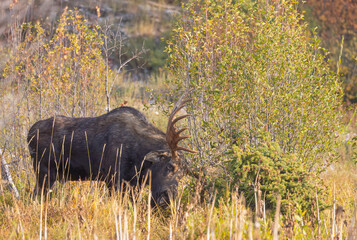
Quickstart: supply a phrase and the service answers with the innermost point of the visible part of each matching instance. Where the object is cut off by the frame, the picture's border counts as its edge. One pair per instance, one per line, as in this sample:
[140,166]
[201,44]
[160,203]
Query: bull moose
[117,147]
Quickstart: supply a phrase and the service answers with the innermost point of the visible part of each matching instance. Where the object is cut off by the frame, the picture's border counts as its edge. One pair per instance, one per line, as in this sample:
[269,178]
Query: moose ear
[155,156]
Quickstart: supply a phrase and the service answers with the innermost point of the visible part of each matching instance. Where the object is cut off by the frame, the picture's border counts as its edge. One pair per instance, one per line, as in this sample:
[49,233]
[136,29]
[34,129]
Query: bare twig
[6,175]
[117,44]
[333,214]
[318,217]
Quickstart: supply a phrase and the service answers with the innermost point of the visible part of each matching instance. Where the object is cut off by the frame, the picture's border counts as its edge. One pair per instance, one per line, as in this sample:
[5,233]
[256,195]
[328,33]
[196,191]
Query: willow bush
[252,66]
[64,73]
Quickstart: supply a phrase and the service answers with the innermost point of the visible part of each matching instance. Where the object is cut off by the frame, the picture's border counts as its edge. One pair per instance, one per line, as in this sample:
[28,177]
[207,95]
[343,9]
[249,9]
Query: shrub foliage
[253,66]
[65,74]
[271,171]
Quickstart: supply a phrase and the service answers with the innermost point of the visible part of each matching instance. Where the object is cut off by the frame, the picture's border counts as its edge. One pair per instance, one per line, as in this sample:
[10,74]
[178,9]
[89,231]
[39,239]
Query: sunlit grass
[86,210]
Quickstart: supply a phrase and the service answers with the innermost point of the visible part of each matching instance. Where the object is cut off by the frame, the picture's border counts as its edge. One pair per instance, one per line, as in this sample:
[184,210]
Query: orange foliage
[339,16]
[337,19]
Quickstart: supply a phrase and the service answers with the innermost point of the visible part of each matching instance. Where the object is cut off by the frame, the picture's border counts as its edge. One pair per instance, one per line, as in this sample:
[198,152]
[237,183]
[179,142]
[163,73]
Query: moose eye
[170,168]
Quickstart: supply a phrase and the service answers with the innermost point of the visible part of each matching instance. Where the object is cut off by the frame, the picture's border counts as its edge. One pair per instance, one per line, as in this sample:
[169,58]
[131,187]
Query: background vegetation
[276,147]
[253,71]
[336,23]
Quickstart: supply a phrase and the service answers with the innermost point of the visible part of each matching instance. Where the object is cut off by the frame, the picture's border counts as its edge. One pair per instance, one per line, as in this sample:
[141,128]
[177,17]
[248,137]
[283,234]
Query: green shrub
[253,65]
[268,169]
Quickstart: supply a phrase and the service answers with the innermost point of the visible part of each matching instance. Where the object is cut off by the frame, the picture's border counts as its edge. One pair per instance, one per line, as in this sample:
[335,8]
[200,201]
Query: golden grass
[85,210]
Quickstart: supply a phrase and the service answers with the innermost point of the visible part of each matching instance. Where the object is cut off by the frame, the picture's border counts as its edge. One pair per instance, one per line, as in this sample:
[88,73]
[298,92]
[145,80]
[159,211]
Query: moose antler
[172,135]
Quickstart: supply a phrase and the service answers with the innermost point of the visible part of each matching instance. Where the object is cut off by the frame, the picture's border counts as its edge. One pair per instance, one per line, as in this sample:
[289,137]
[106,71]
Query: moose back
[115,147]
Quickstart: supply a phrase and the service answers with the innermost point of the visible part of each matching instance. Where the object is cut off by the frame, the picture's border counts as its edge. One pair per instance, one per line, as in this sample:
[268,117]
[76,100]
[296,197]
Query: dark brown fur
[115,147]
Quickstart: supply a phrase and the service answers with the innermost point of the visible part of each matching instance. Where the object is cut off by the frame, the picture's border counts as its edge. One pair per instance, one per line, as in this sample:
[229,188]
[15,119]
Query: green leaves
[272,171]
[262,88]
[253,66]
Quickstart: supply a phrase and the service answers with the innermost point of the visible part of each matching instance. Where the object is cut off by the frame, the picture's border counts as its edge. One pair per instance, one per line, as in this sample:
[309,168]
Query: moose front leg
[44,181]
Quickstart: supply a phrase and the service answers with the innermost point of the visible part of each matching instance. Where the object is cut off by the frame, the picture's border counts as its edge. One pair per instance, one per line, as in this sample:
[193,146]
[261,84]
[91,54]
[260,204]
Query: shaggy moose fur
[117,147]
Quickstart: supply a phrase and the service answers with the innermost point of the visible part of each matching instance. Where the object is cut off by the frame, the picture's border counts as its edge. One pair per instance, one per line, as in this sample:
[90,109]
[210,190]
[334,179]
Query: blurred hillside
[140,24]
[146,25]
[337,20]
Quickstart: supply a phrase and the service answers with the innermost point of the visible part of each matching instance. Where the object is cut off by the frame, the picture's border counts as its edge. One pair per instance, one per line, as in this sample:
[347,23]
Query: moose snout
[163,200]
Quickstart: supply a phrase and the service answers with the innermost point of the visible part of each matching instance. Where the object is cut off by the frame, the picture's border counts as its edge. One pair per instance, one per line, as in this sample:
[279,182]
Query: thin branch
[6,175]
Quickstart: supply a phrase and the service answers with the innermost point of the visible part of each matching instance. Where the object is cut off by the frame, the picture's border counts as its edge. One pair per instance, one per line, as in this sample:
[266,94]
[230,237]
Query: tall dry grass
[85,210]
